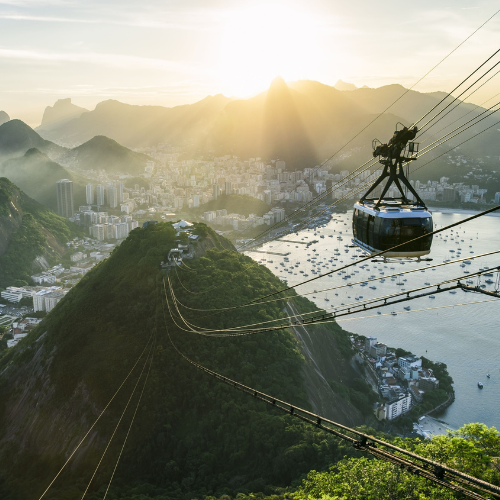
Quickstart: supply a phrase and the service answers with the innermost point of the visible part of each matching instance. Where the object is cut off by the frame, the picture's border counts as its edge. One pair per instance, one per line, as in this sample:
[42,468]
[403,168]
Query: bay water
[461,329]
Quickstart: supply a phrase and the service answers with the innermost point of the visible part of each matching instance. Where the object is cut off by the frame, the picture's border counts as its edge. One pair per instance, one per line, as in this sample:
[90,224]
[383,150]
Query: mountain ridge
[301,122]
[103,153]
[16,137]
[61,113]
[175,435]
[36,174]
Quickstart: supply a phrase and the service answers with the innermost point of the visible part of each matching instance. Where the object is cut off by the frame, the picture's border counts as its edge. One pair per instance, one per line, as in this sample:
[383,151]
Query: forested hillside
[473,449]
[102,153]
[16,138]
[27,230]
[192,435]
[36,174]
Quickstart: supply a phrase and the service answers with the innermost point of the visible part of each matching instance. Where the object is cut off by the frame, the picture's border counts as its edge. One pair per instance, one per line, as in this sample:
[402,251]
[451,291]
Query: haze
[171,52]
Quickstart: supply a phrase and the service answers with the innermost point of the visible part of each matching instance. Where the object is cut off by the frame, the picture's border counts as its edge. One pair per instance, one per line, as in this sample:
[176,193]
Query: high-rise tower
[89,192]
[112,194]
[65,198]
[216,191]
[99,191]
[120,186]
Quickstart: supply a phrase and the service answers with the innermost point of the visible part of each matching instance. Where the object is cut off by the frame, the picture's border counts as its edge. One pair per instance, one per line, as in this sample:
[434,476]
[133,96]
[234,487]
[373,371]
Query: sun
[262,41]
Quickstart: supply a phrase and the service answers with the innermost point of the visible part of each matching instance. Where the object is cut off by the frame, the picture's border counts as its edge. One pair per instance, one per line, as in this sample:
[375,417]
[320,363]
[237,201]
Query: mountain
[36,174]
[303,123]
[140,126]
[340,85]
[297,122]
[28,231]
[102,153]
[62,112]
[192,436]
[269,125]
[16,138]
[4,117]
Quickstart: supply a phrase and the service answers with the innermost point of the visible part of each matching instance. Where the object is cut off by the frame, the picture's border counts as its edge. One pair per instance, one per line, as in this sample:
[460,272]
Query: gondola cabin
[378,229]
[382,222]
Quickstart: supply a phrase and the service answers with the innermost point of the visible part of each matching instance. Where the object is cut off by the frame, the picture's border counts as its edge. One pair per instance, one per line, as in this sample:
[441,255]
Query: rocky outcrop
[62,112]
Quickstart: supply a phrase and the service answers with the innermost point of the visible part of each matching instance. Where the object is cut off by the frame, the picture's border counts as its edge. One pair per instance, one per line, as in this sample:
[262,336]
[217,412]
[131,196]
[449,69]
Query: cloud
[101,59]
[139,23]
[185,88]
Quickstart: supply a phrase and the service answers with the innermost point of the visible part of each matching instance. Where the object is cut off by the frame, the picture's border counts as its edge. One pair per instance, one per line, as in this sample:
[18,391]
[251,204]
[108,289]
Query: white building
[46,300]
[409,361]
[44,278]
[112,194]
[39,300]
[99,191]
[97,232]
[83,269]
[369,341]
[14,294]
[209,216]
[89,193]
[398,407]
[121,230]
[279,213]
[78,256]
[120,187]
[52,298]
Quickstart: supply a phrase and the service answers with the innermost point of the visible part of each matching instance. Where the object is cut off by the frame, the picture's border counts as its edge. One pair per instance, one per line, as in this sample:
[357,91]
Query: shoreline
[465,211]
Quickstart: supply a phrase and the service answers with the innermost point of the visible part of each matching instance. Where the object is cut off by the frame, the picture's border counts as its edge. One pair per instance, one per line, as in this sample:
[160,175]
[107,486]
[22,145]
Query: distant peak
[60,113]
[34,152]
[278,82]
[341,85]
[62,102]
[100,138]
[4,117]
[109,103]
[17,124]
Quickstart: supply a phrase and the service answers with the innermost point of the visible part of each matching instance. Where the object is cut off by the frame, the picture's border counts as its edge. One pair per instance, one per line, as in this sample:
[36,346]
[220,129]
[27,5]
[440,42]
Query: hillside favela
[249,250]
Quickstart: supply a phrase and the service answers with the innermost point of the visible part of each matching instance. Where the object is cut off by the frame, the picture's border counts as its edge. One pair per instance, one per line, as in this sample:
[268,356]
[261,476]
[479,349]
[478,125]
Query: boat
[407,308]
[394,313]
[488,375]
[480,385]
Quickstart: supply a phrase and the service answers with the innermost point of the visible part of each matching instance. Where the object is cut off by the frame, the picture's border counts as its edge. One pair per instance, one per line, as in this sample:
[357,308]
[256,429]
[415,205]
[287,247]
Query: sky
[167,53]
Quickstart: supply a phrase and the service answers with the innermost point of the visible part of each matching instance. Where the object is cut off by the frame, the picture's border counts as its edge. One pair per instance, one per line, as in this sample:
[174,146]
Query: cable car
[384,222]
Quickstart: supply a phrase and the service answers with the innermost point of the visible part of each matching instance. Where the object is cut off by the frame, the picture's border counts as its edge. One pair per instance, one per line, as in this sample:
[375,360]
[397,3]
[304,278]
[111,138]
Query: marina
[464,337]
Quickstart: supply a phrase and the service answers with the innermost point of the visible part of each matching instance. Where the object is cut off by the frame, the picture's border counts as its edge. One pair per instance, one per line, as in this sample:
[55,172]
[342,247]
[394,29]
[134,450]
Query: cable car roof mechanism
[382,222]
